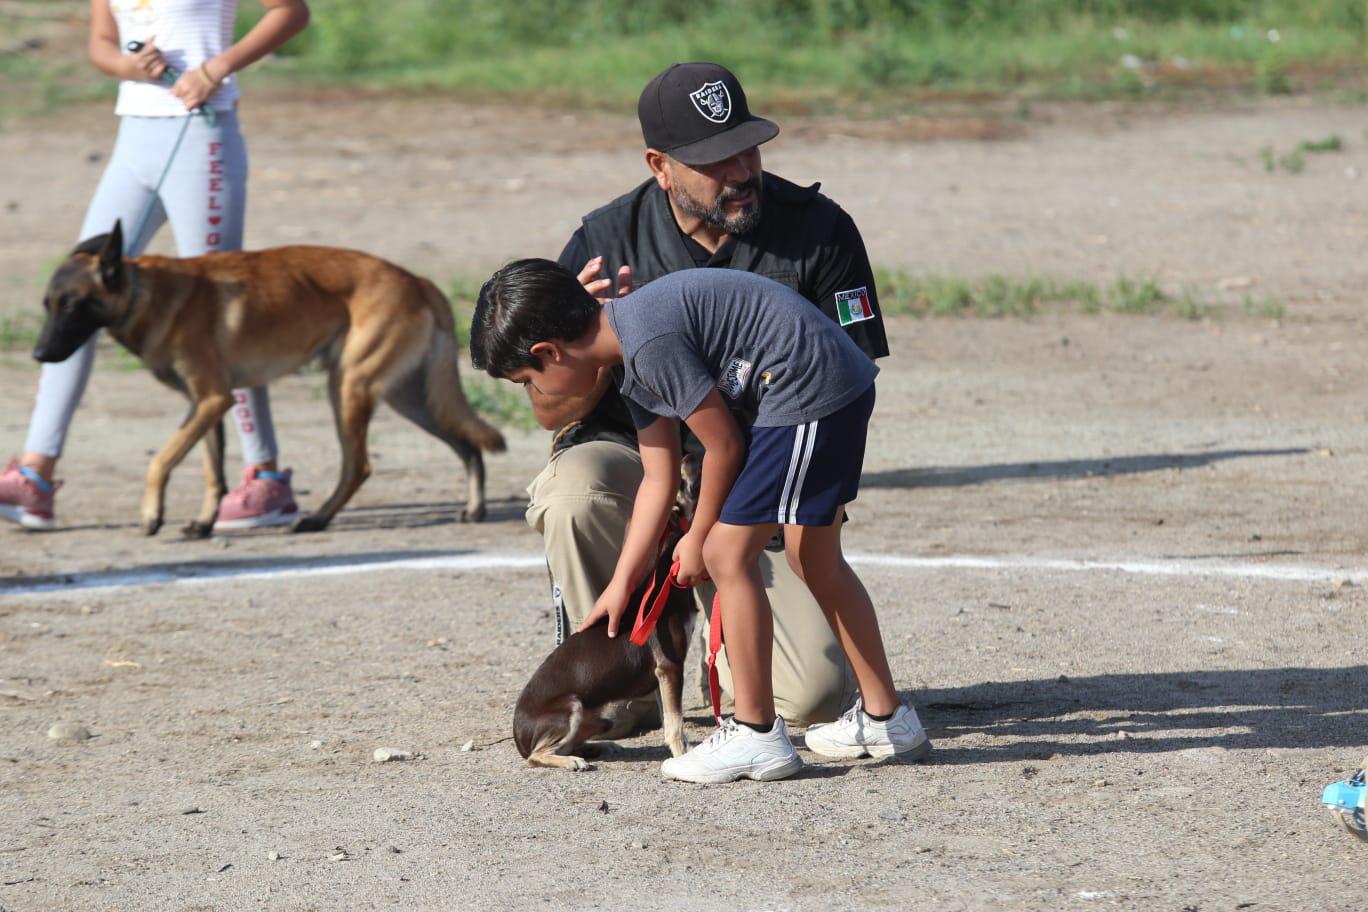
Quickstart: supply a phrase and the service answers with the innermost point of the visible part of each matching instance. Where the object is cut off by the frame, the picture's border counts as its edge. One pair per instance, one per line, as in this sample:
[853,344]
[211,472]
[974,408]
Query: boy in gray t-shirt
[752,339]
[701,346]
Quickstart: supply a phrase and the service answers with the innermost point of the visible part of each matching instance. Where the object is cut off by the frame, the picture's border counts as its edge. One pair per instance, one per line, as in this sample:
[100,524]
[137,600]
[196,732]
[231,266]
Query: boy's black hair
[526,302]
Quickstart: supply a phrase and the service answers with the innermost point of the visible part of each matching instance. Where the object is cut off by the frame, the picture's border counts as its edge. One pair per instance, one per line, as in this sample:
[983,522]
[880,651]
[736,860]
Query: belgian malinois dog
[207,325]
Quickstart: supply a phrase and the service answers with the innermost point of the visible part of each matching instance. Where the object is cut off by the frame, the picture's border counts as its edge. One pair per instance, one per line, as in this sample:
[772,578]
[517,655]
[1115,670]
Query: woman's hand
[147,65]
[689,553]
[195,87]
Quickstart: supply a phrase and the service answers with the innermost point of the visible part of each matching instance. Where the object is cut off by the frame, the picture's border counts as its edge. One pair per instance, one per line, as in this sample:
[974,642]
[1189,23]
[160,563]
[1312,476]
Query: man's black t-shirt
[804,240]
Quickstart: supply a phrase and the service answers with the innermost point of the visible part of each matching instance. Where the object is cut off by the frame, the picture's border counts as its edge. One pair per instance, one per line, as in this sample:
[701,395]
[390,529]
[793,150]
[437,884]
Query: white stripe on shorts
[803,441]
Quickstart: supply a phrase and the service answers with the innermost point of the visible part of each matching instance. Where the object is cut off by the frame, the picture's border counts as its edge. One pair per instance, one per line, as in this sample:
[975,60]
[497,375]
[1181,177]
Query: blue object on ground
[1345,800]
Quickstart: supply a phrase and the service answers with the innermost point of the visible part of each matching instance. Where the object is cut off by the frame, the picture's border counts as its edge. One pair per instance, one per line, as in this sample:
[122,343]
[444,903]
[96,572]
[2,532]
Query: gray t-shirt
[765,347]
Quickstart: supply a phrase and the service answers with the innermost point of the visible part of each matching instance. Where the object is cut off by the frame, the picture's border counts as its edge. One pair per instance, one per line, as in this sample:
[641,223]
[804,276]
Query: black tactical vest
[638,229]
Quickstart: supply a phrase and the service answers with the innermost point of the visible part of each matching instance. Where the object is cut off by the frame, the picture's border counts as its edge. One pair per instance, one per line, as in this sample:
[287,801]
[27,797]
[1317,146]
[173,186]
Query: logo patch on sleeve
[732,383]
[853,306]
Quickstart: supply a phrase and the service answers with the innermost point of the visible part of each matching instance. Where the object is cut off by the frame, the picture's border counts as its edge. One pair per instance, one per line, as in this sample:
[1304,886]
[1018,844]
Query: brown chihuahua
[558,710]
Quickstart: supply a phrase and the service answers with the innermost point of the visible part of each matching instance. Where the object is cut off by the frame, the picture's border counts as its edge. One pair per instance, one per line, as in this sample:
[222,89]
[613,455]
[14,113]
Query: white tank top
[188,32]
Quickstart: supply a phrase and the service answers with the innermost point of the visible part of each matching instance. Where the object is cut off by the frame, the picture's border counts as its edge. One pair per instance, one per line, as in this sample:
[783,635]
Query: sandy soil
[1105,738]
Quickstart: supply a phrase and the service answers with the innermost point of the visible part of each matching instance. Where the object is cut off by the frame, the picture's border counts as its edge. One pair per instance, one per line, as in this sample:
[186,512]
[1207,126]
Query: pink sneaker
[23,501]
[263,499]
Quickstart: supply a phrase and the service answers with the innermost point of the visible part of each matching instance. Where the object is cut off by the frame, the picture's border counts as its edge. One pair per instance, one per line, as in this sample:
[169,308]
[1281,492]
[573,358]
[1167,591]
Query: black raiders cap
[697,113]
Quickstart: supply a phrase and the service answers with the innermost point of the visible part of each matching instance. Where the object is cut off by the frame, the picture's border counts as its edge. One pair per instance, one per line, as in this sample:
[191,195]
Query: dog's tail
[446,400]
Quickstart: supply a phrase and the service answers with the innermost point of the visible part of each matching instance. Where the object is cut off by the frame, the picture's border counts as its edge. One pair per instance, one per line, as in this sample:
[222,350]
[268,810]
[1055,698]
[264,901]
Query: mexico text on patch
[853,306]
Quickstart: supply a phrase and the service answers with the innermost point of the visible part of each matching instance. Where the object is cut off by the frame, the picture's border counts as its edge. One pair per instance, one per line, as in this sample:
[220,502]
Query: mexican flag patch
[853,306]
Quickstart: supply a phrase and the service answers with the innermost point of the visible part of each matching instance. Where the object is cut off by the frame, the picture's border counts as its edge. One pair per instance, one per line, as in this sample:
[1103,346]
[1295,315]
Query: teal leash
[169,76]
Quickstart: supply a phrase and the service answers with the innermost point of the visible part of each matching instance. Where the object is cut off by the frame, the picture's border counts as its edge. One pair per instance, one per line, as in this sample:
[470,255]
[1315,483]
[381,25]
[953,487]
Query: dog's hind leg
[553,760]
[353,406]
[215,484]
[207,411]
[560,753]
[409,397]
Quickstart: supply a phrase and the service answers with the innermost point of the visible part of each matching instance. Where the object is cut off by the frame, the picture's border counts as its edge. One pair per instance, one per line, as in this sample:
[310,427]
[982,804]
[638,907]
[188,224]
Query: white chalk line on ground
[208,572]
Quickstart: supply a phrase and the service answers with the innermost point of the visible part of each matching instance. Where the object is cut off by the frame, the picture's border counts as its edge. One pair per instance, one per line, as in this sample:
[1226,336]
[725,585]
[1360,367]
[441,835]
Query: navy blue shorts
[801,475]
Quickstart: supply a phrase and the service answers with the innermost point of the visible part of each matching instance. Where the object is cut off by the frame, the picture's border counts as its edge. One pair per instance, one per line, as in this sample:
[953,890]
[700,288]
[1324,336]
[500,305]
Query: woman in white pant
[203,196]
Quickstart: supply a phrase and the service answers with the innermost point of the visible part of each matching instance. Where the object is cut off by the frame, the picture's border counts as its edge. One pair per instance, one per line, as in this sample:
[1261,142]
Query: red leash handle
[647,617]
[714,647]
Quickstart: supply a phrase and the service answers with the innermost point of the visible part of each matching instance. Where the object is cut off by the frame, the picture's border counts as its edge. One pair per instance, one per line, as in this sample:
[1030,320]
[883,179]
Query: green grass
[30,84]
[1265,308]
[1331,143]
[1001,296]
[861,56]
[499,400]
[1294,161]
[820,51]
[19,332]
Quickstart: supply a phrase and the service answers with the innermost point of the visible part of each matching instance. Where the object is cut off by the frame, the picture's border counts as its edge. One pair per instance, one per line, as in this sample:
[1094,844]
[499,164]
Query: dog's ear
[111,259]
[91,244]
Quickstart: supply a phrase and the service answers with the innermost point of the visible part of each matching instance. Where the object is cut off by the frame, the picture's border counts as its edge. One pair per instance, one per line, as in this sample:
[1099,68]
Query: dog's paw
[197,529]
[596,750]
[580,765]
[309,523]
[474,515]
[151,525]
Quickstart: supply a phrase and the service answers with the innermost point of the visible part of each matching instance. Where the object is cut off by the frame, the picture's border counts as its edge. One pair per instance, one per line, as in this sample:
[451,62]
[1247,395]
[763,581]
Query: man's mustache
[731,193]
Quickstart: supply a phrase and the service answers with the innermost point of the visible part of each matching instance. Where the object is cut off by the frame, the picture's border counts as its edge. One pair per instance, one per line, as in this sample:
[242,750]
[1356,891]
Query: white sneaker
[737,752]
[855,735]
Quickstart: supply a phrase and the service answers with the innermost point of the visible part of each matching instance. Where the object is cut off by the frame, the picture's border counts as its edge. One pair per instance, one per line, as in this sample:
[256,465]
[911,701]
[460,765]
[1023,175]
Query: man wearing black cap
[707,203]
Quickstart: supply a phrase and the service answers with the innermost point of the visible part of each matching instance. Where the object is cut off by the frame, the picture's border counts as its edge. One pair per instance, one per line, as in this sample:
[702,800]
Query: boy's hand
[689,553]
[612,605]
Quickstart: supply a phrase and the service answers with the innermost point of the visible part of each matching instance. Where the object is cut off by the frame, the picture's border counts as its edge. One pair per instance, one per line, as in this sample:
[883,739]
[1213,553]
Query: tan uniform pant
[581,503]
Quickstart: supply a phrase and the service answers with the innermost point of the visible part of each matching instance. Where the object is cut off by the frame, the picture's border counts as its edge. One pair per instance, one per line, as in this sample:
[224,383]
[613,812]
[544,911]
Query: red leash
[714,647]
[648,617]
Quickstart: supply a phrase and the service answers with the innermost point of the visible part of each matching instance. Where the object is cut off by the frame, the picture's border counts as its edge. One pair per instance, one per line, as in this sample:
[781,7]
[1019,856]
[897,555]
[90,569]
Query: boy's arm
[724,452]
[659,443]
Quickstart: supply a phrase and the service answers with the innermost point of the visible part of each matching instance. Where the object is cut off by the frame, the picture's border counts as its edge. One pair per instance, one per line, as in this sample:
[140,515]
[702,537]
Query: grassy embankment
[828,53]
[853,55]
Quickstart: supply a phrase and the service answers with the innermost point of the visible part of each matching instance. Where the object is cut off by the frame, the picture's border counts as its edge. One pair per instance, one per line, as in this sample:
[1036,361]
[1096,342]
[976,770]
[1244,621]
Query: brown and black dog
[558,710]
[210,324]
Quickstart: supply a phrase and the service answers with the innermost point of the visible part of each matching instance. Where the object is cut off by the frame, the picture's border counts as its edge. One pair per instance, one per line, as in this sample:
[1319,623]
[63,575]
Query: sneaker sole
[26,519]
[265,520]
[1352,820]
[915,754]
[766,774]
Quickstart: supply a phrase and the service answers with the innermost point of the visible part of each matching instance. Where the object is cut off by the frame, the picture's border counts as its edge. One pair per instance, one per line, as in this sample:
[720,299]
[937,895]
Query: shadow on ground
[1234,709]
[421,515]
[961,476]
[350,519]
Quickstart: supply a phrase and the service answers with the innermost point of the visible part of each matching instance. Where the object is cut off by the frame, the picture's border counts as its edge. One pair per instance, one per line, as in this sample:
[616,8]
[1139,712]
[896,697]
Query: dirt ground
[1153,736]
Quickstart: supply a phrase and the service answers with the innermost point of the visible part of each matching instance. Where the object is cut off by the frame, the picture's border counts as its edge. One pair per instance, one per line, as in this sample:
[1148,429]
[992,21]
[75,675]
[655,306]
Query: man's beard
[742,222]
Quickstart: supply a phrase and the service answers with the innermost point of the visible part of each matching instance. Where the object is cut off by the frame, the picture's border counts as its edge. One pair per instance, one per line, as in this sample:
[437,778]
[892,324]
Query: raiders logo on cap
[713,101]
